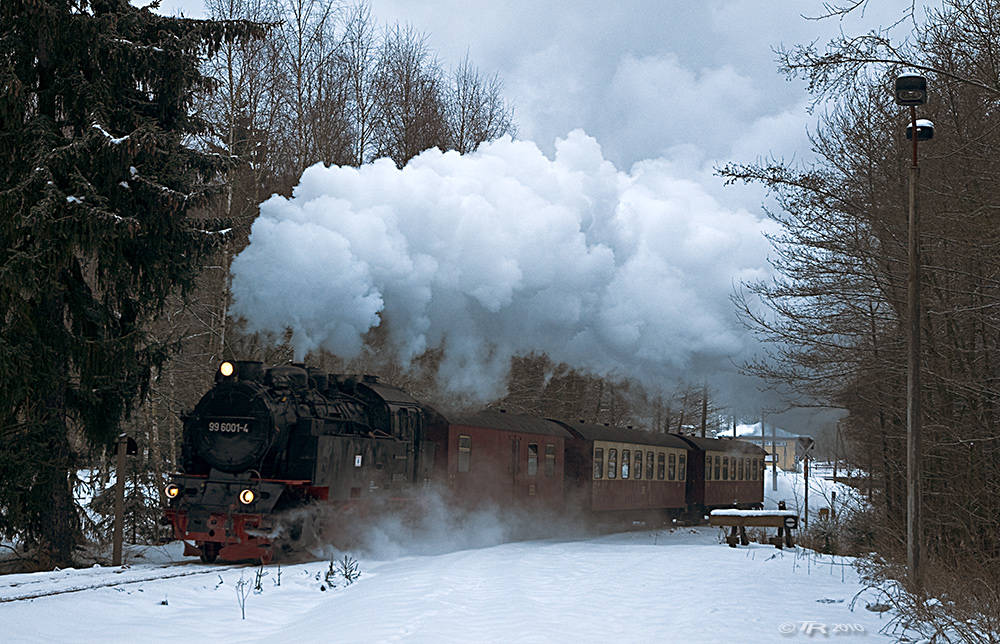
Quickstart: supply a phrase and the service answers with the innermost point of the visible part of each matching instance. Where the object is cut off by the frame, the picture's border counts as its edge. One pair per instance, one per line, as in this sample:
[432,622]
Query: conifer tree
[99,186]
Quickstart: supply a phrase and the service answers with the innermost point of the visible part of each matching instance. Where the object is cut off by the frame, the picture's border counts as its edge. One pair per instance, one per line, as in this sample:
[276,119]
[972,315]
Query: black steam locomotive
[264,441]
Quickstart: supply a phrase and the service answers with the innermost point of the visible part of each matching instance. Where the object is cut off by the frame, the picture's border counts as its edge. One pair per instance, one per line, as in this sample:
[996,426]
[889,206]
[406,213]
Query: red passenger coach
[507,459]
[725,473]
[627,474]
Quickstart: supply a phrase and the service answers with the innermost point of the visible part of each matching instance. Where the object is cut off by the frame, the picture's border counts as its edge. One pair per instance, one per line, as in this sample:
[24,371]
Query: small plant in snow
[258,584]
[330,576]
[242,590]
[349,569]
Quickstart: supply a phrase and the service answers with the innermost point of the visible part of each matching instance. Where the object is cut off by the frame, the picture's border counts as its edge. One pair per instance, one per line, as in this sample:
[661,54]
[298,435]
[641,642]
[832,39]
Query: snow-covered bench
[739,520]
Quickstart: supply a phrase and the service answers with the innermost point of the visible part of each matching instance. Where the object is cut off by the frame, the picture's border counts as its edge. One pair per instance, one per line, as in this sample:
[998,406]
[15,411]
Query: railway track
[74,581]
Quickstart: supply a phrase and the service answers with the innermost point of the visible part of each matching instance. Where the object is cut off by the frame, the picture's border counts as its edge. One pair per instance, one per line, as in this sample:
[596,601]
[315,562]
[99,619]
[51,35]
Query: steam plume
[504,252]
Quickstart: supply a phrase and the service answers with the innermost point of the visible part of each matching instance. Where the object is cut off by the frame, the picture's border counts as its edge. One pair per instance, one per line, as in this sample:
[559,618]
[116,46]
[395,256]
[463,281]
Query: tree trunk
[58,519]
[58,522]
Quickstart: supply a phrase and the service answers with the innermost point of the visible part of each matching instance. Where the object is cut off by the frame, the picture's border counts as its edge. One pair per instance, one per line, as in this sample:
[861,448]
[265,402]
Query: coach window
[716,475]
[625,462]
[739,470]
[725,468]
[612,463]
[532,459]
[672,467]
[464,452]
[708,468]
[681,467]
[661,468]
[638,464]
[732,469]
[550,460]
[598,463]
[649,466]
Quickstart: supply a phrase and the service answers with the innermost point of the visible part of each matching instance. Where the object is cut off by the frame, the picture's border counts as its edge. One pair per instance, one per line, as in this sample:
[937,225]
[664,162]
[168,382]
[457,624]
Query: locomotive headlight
[227,369]
[247,497]
[172,491]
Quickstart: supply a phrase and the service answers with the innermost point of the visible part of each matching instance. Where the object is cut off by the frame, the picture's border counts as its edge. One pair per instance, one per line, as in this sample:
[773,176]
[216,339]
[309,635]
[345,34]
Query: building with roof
[787,446]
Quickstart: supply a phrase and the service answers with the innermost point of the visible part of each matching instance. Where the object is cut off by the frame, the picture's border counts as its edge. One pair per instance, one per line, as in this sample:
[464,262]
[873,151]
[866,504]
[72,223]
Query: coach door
[515,464]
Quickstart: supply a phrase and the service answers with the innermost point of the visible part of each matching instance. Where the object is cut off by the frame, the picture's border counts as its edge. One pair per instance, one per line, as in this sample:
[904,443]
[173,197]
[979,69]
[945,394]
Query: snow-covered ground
[670,585]
[678,585]
[823,493]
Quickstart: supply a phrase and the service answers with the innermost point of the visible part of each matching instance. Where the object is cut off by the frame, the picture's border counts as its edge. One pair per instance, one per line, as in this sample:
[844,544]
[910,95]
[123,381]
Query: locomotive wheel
[209,552]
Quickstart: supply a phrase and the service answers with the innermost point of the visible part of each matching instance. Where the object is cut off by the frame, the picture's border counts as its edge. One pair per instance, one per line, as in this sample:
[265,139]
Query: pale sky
[694,83]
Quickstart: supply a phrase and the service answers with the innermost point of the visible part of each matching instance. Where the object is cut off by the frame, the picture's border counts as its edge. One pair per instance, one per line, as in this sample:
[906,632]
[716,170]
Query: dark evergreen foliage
[97,193]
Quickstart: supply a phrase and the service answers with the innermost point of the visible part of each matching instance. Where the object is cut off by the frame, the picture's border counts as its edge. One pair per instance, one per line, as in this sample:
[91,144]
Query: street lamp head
[911,90]
[925,130]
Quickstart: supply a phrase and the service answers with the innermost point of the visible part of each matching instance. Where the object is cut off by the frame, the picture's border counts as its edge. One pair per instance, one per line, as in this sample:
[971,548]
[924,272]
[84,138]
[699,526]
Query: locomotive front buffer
[225,514]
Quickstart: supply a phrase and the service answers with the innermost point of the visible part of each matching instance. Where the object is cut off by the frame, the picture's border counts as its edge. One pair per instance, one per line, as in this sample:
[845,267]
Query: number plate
[230,425]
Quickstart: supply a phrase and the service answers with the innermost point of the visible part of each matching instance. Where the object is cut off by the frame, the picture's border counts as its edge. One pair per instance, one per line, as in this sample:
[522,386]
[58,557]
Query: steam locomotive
[263,442]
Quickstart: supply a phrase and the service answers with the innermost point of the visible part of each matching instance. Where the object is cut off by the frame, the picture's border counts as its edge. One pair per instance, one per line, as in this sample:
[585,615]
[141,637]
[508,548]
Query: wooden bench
[739,520]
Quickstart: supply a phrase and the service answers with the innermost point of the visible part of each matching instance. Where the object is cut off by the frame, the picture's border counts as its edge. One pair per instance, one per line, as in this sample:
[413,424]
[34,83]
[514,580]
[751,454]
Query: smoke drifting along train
[264,441]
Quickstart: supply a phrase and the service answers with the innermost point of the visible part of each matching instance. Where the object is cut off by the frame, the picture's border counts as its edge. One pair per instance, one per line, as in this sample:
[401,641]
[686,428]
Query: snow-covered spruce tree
[97,195]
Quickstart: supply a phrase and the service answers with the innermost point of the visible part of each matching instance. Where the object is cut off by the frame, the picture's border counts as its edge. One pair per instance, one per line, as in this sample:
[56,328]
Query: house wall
[783,447]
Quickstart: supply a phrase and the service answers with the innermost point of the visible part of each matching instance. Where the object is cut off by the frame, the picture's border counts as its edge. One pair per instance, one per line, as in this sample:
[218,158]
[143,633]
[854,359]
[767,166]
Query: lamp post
[911,90]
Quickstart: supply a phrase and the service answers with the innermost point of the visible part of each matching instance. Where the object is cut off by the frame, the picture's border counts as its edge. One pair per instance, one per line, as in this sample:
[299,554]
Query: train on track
[267,441]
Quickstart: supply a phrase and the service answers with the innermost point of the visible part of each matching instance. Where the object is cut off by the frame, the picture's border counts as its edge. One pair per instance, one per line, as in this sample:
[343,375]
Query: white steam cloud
[504,252]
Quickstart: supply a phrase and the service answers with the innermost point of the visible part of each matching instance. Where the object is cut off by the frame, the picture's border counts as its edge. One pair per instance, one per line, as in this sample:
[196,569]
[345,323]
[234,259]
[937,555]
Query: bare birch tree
[475,110]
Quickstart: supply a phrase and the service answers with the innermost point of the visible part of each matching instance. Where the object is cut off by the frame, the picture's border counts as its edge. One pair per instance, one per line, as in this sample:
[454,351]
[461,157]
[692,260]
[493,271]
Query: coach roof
[594,432]
[731,445]
[508,422]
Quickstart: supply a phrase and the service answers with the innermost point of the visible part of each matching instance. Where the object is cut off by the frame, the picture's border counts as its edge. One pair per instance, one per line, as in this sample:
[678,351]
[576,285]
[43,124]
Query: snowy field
[670,585]
[677,585]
